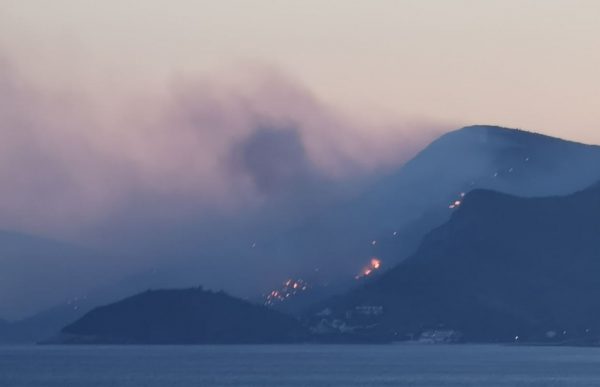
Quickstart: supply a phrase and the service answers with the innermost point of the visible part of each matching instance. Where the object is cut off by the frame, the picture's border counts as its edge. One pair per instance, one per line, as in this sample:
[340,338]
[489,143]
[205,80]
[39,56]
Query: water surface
[298,365]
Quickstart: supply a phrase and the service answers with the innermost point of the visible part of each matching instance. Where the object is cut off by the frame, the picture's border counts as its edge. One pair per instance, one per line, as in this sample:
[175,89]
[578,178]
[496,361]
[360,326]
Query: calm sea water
[299,365]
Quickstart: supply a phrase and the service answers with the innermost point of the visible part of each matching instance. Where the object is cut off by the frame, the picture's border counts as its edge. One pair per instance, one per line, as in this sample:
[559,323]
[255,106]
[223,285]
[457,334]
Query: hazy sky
[517,63]
[136,118]
[108,102]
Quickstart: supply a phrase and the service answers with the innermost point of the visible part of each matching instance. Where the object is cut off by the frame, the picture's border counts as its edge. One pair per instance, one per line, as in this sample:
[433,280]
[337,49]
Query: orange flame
[289,288]
[374,264]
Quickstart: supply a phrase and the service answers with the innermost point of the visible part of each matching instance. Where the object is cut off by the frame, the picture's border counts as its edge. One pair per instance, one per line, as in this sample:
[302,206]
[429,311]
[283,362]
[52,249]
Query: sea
[299,365]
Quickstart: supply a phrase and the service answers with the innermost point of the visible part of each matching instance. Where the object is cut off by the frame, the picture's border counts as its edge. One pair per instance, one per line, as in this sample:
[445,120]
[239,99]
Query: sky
[119,114]
[383,71]
[529,64]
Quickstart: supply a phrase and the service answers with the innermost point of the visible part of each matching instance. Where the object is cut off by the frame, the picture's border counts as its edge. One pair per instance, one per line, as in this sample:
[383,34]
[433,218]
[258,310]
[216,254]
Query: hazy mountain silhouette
[32,281]
[187,316]
[504,268]
[390,219]
[45,265]
[44,324]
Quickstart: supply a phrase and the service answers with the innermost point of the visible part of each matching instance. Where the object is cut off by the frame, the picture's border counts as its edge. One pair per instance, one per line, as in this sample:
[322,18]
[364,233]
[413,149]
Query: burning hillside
[374,264]
[289,288]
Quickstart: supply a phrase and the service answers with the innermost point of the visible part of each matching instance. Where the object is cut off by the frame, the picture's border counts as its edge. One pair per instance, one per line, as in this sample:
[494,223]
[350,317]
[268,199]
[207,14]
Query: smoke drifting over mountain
[151,176]
[72,158]
[156,143]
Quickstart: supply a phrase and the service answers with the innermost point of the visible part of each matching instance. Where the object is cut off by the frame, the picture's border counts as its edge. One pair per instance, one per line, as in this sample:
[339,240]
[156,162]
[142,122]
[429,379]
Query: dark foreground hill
[187,316]
[503,269]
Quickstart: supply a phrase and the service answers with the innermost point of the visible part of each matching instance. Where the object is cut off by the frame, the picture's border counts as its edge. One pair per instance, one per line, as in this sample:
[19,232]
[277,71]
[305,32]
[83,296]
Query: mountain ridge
[503,268]
[398,210]
[387,221]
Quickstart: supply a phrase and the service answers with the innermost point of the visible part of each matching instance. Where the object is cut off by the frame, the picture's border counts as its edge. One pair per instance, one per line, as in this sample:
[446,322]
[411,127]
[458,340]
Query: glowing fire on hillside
[457,203]
[373,265]
[290,288]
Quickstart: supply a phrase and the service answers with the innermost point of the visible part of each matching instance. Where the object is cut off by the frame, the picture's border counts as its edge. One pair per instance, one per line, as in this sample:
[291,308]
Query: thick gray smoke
[139,175]
[71,160]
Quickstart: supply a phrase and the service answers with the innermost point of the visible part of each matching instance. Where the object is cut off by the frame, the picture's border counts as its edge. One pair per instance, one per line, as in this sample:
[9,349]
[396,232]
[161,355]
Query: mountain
[47,322]
[327,248]
[502,269]
[187,316]
[44,324]
[33,271]
[389,220]
[44,284]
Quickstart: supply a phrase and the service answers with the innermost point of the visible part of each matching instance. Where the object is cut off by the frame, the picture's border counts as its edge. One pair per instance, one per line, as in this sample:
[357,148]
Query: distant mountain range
[44,324]
[187,316]
[503,269]
[388,221]
[44,265]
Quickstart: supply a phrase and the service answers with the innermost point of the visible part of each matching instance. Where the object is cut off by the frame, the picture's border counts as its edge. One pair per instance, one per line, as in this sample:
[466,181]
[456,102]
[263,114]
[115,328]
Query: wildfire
[457,203]
[289,288]
[374,264]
